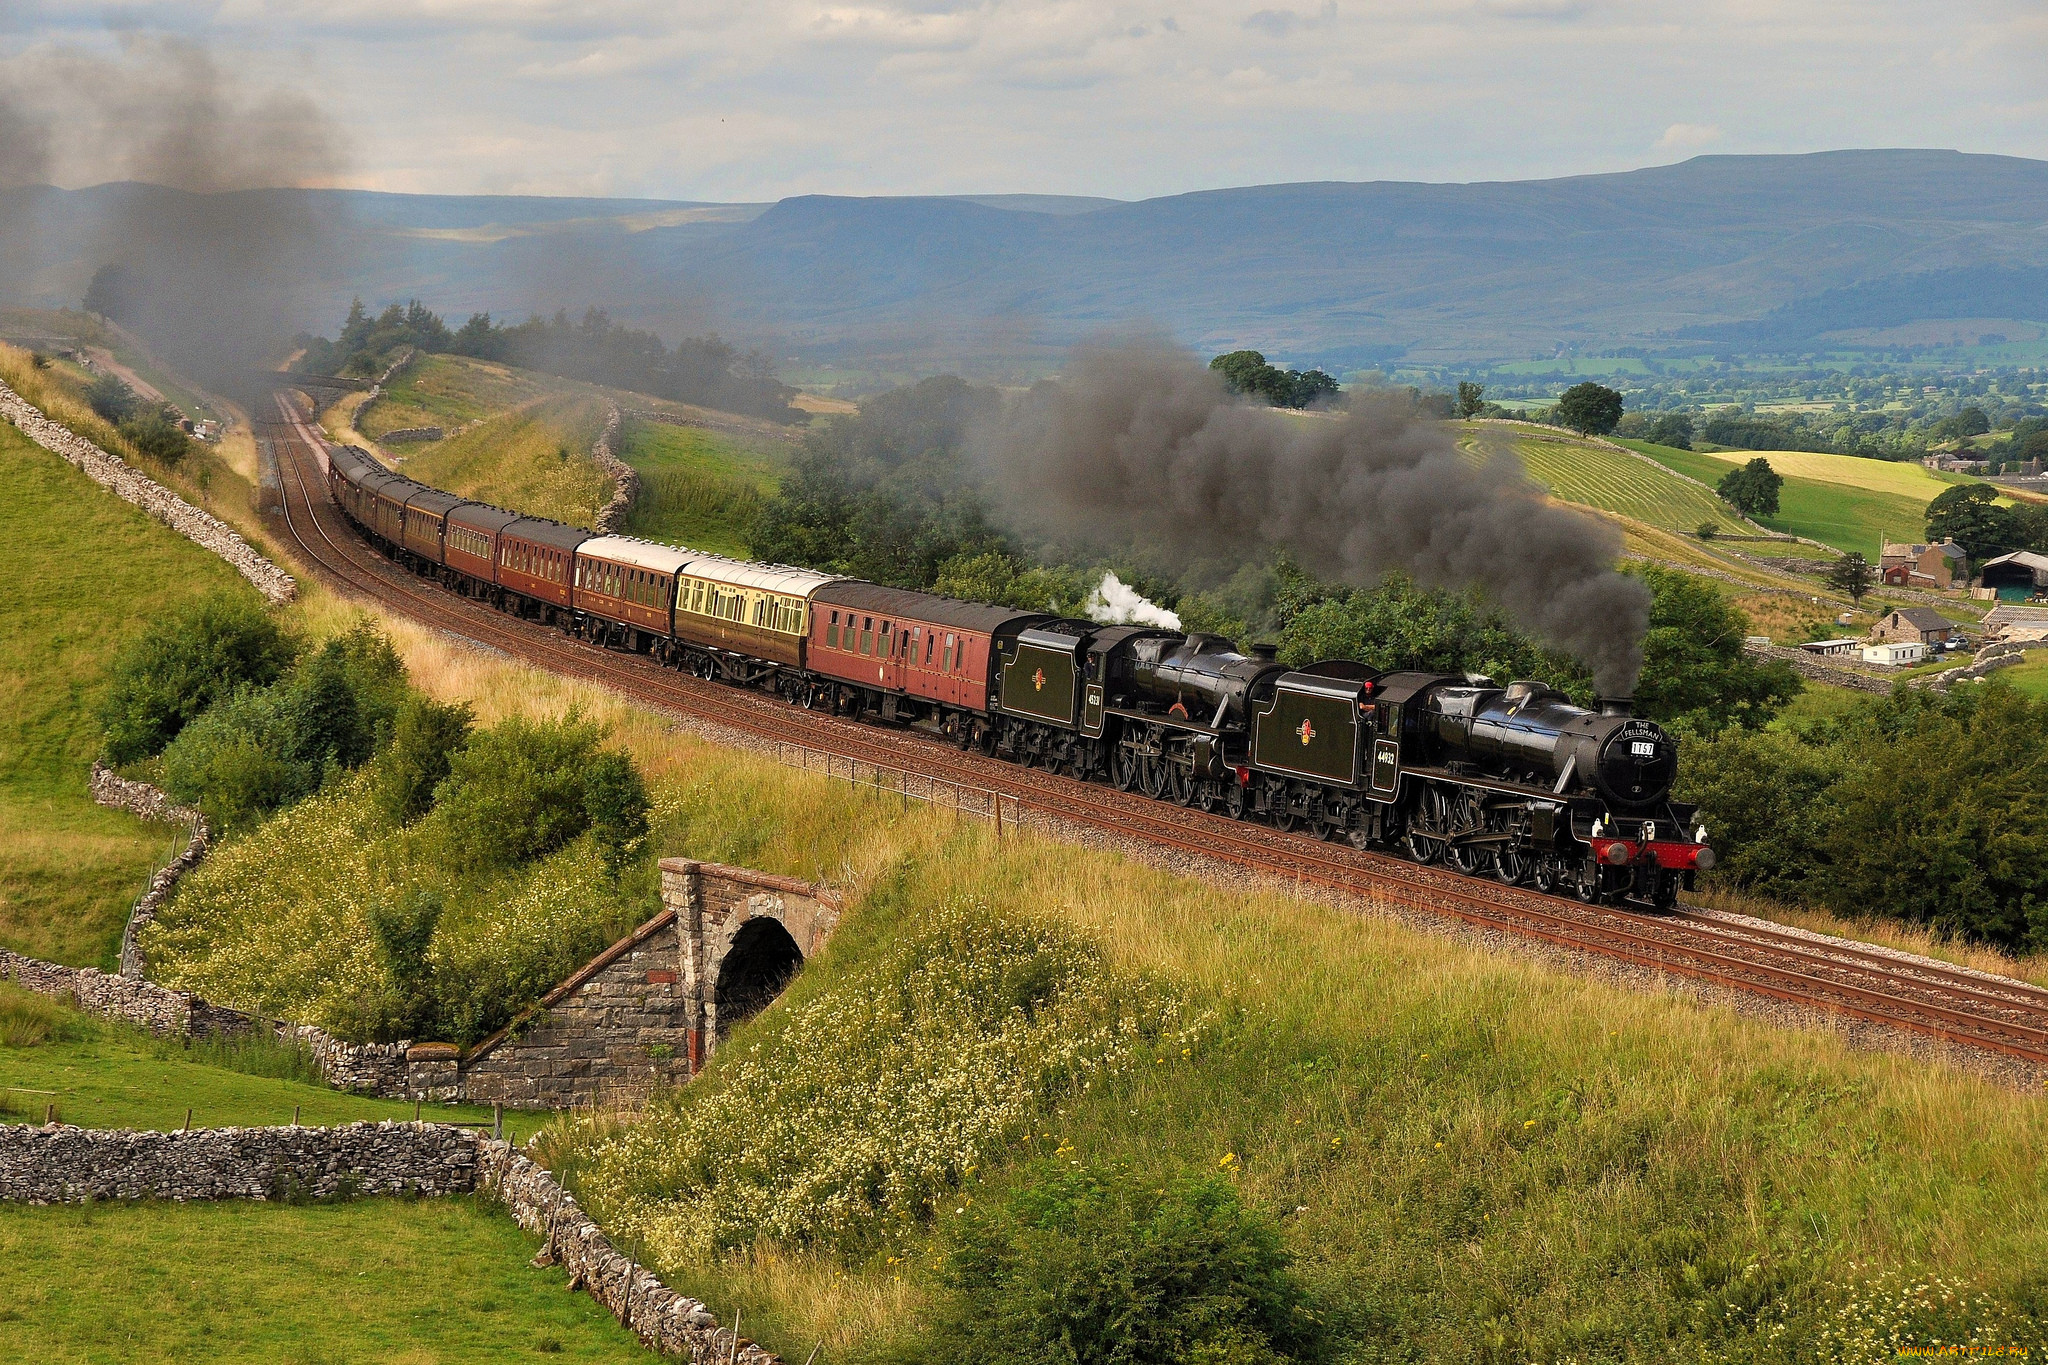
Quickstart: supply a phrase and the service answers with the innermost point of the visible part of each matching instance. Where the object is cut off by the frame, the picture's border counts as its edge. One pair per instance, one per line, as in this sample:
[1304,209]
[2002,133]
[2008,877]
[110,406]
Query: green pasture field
[84,571]
[534,459]
[1575,471]
[448,391]
[417,1282]
[698,487]
[1845,515]
[2030,677]
[101,1074]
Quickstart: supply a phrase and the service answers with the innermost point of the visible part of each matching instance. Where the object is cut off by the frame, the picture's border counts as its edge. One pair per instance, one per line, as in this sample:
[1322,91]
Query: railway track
[2008,1019]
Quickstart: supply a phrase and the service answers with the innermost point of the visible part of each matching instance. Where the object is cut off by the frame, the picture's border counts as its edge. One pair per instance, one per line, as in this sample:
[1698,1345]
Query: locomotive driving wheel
[1467,815]
[1123,768]
[1429,826]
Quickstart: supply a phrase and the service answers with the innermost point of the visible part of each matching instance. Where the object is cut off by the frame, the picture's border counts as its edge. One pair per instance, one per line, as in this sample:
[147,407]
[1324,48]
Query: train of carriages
[1514,783]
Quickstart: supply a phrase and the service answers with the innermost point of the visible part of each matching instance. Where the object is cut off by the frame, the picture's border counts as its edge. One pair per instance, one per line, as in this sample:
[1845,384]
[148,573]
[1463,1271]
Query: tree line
[701,370]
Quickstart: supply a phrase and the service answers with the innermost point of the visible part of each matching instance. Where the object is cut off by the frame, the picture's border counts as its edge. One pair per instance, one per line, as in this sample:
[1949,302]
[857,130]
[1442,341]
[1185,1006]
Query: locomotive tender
[1514,782]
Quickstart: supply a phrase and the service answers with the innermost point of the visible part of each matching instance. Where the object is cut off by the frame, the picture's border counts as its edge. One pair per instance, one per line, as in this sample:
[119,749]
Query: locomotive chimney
[1617,706]
[1267,651]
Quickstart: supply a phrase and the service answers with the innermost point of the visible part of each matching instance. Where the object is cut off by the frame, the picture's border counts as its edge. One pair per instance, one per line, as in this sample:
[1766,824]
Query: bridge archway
[753,971]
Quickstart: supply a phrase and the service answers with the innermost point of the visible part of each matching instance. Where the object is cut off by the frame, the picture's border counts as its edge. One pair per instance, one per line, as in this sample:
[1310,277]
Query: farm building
[2017,576]
[1922,566]
[1846,645]
[1919,625]
[1895,653]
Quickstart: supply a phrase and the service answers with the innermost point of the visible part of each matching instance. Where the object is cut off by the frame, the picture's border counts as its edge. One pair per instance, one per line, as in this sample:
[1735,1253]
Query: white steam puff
[1140,440]
[1116,603]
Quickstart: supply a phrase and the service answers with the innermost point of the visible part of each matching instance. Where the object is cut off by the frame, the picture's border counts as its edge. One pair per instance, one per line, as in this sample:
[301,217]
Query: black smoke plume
[1140,439]
[204,244]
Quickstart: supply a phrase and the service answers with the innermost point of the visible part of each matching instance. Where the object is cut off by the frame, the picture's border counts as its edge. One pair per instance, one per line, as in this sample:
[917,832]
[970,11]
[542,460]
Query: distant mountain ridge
[1740,250]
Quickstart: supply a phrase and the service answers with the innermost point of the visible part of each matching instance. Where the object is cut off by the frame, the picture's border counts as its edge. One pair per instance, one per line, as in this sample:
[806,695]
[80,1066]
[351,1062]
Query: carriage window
[929,641]
[832,631]
[867,634]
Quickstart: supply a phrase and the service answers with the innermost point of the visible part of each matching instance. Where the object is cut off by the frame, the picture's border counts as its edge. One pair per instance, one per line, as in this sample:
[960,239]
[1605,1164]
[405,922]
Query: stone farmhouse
[1932,567]
[1911,625]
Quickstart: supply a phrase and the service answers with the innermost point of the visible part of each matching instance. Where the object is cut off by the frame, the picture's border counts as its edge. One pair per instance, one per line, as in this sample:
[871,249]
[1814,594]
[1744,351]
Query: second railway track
[1995,1015]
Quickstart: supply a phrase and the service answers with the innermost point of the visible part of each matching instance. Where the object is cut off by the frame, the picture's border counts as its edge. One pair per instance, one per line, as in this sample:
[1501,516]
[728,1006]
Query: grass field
[2030,677]
[1578,472]
[699,488]
[448,391]
[1838,500]
[533,459]
[84,571]
[101,1074]
[426,1282]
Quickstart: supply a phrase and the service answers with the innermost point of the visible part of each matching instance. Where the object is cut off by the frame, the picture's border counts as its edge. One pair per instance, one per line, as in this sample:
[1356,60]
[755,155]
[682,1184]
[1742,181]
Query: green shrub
[157,436]
[263,749]
[424,735]
[110,398]
[1928,808]
[523,789]
[183,664]
[1087,1266]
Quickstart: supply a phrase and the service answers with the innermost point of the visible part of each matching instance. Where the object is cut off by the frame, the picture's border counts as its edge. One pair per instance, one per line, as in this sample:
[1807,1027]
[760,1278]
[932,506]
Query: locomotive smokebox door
[1309,729]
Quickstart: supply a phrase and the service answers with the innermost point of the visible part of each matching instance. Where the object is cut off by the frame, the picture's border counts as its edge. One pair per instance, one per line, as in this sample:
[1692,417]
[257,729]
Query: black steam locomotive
[1513,782]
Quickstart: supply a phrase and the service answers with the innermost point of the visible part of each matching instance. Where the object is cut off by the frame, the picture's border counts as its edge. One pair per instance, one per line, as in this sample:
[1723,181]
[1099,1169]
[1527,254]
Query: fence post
[498,1122]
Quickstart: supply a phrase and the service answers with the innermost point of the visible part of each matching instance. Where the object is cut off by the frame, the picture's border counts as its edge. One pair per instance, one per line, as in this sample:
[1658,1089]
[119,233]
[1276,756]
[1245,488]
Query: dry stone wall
[111,472]
[625,479]
[115,792]
[672,1323]
[58,1164]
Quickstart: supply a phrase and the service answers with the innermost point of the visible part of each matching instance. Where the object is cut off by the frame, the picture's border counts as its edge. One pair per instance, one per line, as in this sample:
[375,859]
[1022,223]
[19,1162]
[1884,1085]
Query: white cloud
[1116,97]
[1686,137]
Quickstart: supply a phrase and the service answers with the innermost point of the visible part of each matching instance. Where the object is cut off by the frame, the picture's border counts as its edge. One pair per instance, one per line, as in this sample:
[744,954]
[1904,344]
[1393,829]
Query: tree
[1591,408]
[1709,529]
[1694,668]
[1471,399]
[1752,489]
[1247,372]
[1851,574]
[1969,514]
[1672,429]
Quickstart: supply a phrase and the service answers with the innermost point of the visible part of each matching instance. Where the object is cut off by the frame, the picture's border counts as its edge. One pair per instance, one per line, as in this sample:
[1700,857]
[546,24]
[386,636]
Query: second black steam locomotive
[1514,783]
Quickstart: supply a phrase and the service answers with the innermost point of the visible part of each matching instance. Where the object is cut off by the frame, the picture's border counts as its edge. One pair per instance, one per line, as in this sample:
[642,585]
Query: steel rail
[346,558]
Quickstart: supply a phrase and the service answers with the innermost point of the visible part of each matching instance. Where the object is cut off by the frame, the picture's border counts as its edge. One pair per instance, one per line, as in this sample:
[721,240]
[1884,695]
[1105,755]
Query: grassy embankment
[84,571]
[534,458]
[420,1282]
[699,487]
[1613,1163]
[507,431]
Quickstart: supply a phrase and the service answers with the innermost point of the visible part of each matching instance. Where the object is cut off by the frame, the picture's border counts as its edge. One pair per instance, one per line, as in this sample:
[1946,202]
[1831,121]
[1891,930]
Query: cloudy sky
[757,100]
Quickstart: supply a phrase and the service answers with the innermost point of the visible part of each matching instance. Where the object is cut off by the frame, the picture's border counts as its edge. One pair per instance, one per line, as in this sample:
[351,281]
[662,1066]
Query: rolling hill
[1341,274]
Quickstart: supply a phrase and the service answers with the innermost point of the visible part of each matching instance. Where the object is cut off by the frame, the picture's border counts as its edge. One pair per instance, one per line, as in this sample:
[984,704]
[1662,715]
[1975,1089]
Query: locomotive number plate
[1642,748]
